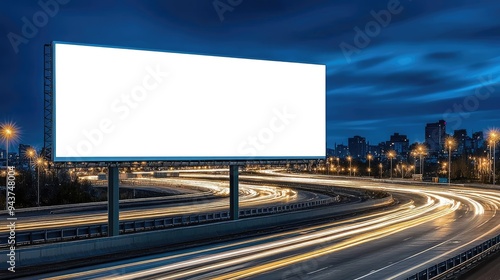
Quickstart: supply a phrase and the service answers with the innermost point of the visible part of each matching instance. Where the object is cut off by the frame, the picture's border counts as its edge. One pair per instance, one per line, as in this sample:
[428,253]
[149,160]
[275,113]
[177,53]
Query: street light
[414,154]
[421,151]
[30,154]
[380,166]
[494,135]
[369,164]
[450,142]
[349,158]
[39,163]
[8,132]
[338,166]
[391,155]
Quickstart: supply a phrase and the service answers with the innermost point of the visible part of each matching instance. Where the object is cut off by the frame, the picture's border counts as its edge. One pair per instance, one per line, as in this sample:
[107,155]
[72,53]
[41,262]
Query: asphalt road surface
[430,225]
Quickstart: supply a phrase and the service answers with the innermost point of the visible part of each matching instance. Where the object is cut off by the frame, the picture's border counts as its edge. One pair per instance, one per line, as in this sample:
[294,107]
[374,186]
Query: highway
[251,195]
[429,225]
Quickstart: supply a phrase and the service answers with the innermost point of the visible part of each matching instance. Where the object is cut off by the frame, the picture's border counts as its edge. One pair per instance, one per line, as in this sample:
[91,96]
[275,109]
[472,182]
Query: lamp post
[30,154]
[414,154]
[490,170]
[349,158]
[380,166]
[391,155]
[421,153]
[338,166]
[369,164]
[9,131]
[8,135]
[450,142]
[39,163]
[494,159]
[494,134]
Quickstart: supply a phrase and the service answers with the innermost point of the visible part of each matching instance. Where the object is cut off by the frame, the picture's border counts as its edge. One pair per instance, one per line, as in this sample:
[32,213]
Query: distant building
[13,156]
[477,140]
[341,151]
[399,143]
[376,150]
[461,137]
[382,147]
[357,147]
[435,133]
[3,154]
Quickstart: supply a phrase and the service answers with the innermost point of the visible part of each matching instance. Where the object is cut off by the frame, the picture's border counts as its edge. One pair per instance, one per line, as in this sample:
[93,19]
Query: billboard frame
[50,123]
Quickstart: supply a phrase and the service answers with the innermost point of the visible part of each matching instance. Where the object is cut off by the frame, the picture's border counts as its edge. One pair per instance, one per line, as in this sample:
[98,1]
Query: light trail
[252,195]
[446,211]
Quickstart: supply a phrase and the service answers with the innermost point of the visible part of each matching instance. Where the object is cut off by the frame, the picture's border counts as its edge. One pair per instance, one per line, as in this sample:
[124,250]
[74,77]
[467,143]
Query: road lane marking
[318,270]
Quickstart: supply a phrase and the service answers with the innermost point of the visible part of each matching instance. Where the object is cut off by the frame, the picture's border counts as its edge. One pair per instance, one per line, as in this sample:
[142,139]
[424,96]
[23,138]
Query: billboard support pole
[233,192]
[47,101]
[113,201]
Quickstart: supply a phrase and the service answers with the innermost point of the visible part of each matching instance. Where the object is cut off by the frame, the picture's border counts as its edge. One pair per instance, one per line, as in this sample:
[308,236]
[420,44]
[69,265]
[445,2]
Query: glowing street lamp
[8,132]
[30,154]
[391,155]
[450,142]
[494,135]
[414,155]
[338,166]
[39,164]
[421,151]
[349,158]
[369,164]
[380,166]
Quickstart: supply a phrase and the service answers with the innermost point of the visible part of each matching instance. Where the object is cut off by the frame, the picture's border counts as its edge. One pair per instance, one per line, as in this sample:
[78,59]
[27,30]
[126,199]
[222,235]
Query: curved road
[430,225]
[251,195]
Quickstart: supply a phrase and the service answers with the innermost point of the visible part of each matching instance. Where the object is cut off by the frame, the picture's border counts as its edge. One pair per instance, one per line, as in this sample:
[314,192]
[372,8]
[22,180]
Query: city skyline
[437,140]
[385,138]
[391,65]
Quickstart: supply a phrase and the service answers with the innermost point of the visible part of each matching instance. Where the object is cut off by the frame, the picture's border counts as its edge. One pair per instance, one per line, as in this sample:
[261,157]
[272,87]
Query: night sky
[391,66]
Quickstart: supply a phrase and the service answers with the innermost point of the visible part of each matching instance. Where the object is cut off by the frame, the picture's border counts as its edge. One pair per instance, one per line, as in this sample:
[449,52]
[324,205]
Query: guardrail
[456,265]
[89,231]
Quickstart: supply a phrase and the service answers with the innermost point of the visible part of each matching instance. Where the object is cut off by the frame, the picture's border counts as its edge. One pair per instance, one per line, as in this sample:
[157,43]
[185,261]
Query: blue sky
[406,62]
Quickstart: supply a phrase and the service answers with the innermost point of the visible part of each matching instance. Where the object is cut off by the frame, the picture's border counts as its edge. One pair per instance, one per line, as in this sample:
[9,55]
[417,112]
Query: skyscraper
[399,143]
[357,146]
[435,133]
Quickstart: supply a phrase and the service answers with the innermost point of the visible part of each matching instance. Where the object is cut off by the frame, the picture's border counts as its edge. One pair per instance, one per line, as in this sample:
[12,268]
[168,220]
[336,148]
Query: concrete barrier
[39,255]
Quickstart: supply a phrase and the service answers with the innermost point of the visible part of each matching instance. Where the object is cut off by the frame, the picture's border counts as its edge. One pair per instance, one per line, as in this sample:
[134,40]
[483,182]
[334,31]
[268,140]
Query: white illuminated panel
[113,104]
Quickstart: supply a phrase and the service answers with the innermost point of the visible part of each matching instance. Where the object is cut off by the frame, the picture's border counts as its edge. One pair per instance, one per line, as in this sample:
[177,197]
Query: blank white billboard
[115,104]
